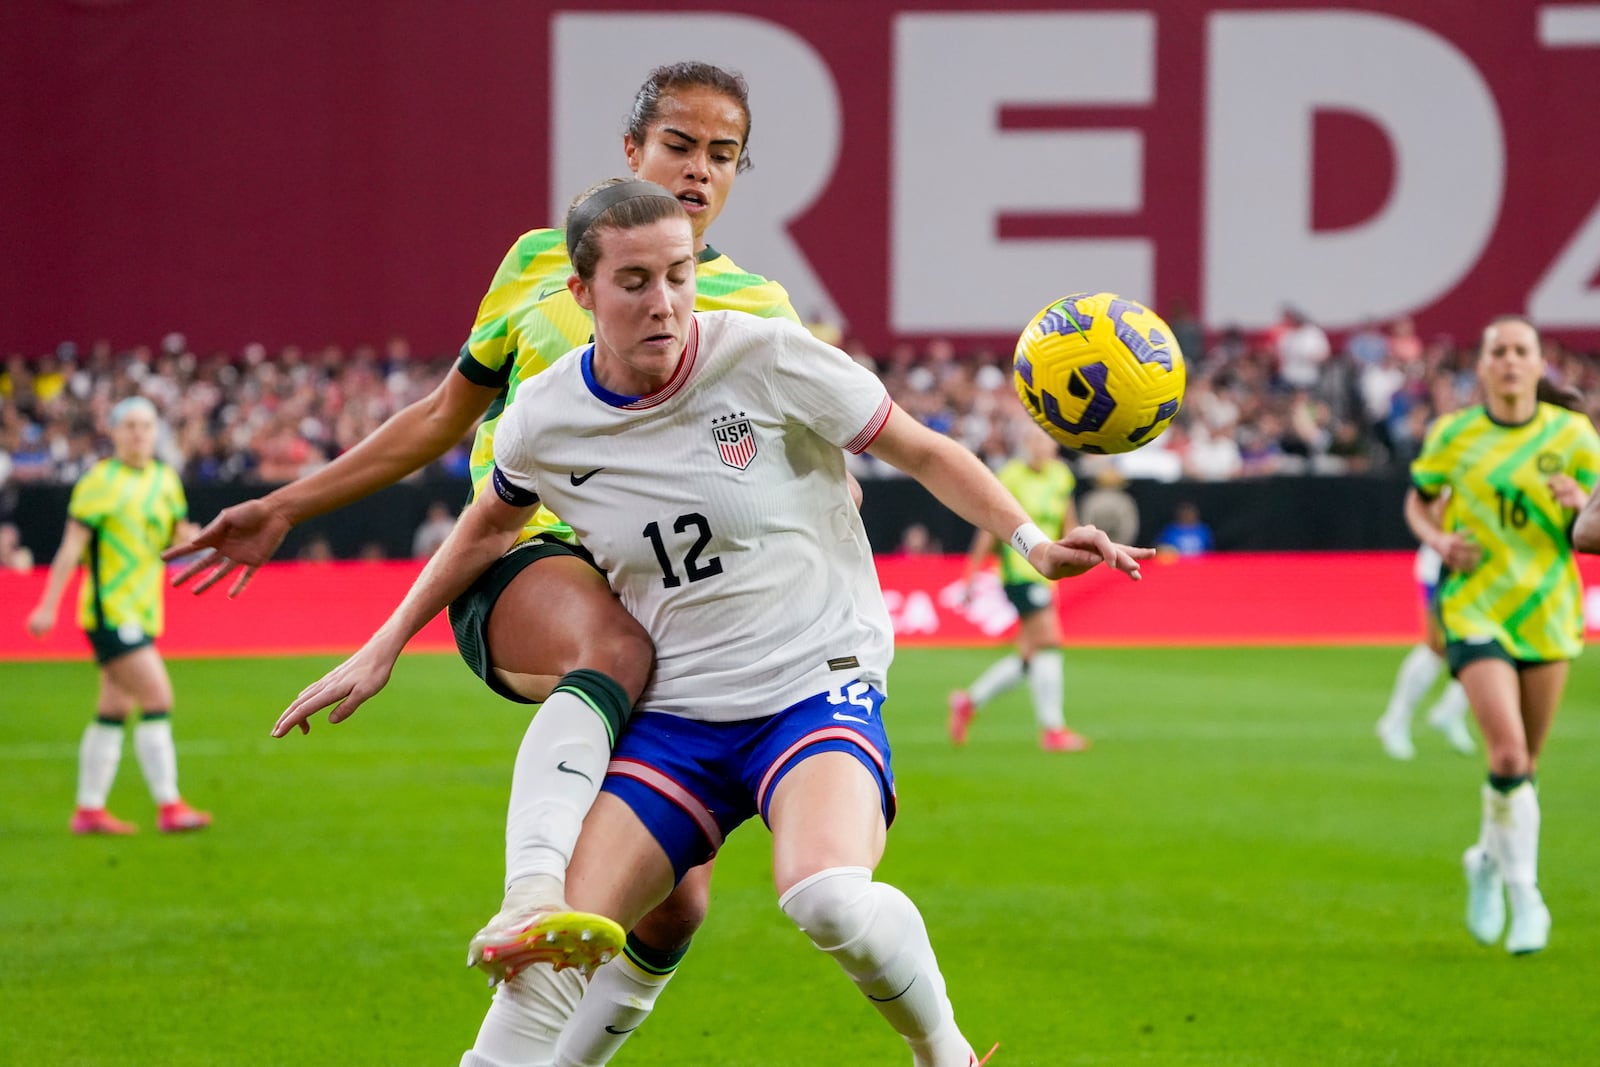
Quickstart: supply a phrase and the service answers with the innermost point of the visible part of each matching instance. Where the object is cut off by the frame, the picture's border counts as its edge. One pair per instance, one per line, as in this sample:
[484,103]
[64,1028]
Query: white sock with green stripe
[618,1000]
[158,757]
[558,772]
[1047,683]
[996,679]
[99,754]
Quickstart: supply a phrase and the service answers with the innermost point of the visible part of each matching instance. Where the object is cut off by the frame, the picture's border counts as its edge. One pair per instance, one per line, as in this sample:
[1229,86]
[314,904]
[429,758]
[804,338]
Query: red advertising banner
[921,167]
[1223,599]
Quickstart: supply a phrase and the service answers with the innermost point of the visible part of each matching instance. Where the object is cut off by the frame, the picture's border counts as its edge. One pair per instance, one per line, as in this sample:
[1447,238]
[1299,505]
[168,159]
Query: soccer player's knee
[626,653]
[675,920]
[834,907]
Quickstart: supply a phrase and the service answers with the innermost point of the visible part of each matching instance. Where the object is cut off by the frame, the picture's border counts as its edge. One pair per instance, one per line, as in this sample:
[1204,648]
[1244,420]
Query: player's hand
[1567,491]
[1084,548]
[41,621]
[343,690]
[1459,551]
[245,535]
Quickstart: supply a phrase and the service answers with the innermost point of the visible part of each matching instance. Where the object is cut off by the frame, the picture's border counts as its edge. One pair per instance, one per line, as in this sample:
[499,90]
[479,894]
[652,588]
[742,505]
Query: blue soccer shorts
[692,783]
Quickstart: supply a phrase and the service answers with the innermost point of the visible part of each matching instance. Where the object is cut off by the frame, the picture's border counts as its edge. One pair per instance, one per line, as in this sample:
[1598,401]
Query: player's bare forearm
[249,533]
[955,477]
[409,439]
[482,535]
[74,539]
[960,481]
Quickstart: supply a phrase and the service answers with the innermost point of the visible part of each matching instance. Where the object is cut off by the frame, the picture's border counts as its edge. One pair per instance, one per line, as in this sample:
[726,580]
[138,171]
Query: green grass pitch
[1234,874]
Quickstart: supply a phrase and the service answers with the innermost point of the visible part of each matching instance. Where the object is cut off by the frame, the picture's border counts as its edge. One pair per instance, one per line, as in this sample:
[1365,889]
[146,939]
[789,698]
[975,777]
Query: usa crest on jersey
[736,441]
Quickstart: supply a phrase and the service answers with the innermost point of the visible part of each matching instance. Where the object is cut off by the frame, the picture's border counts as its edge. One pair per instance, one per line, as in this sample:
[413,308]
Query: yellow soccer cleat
[560,937]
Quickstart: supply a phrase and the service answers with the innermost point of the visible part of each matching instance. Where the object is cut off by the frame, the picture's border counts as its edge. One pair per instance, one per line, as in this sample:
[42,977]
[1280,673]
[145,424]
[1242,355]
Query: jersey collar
[686,362]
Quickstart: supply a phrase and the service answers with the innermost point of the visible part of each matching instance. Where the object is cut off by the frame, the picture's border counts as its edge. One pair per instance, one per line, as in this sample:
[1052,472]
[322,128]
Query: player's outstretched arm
[247,534]
[1460,553]
[482,535]
[42,619]
[963,484]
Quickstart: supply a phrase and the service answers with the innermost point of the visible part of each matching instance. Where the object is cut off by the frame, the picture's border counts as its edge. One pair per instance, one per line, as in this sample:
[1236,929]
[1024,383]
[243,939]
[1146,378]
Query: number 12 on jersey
[696,569]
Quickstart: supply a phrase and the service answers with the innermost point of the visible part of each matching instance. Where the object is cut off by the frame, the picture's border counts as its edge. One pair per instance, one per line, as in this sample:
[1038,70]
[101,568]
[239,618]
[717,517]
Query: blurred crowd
[253,416]
[1287,400]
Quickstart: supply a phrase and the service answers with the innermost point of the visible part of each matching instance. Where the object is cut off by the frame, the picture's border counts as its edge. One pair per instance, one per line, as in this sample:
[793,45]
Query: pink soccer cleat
[178,817]
[962,709]
[1063,740]
[100,821]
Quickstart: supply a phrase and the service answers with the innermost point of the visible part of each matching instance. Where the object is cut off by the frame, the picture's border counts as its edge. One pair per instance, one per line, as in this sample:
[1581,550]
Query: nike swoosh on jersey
[579,479]
[842,717]
[564,769]
[613,1030]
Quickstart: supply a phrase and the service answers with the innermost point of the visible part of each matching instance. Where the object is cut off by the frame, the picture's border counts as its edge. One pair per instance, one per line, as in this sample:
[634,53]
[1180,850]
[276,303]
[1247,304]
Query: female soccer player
[1043,484]
[542,625]
[1517,471]
[122,513]
[718,505]
[1417,674]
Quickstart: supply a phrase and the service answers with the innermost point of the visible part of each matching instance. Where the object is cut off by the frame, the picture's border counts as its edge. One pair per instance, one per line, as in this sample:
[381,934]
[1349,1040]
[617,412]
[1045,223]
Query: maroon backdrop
[309,172]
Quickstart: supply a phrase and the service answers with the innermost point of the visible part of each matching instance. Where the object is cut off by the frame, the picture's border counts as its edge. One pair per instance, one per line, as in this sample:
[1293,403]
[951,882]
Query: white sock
[1496,823]
[619,999]
[558,772]
[1520,843]
[1417,672]
[1045,682]
[99,754]
[877,935]
[158,758]
[1451,705]
[996,679]
[525,1018]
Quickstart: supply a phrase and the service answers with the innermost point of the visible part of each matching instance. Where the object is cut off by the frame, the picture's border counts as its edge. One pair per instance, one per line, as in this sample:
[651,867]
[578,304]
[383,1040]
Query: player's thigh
[559,615]
[1542,687]
[143,676]
[1038,630]
[674,921]
[826,812]
[618,869]
[1495,694]
[113,701]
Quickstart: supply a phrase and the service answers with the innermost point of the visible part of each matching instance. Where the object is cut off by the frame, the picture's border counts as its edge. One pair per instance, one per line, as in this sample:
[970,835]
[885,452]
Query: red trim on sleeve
[869,433]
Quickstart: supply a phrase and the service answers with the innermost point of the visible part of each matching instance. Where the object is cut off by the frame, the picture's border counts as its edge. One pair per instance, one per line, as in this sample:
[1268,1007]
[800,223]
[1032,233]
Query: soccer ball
[1099,372]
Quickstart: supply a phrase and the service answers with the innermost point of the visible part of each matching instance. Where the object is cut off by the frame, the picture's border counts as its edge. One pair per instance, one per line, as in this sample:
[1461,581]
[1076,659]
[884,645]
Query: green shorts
[469,612]
[111,642]
[1460,653]
[1029,598]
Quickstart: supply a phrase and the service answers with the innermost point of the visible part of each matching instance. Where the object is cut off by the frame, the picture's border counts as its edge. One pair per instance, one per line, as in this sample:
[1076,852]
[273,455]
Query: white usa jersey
[720,511]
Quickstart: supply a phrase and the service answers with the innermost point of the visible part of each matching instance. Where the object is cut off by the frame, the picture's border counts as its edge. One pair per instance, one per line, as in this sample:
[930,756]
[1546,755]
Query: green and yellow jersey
[131,513]
[1525,593]
[1044,494]
[528,319]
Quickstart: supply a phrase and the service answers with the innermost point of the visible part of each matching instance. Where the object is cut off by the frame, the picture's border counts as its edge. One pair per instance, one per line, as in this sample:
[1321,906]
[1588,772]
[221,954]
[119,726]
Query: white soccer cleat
[1530,922]
[1396,740]
[1486,896]
[1454,729]
[524,933]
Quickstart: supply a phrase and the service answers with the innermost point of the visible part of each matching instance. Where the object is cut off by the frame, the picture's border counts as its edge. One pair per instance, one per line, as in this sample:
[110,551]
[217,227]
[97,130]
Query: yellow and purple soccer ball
[1099,372]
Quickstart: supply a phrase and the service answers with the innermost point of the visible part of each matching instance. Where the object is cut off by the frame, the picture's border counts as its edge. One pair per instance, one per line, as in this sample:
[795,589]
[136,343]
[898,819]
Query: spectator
[1109,506]
[14,555]
[1187,534]
[436,526]
[1302,348]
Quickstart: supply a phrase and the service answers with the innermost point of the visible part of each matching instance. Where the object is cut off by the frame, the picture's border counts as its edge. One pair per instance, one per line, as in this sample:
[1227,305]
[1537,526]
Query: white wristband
[1028,537]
